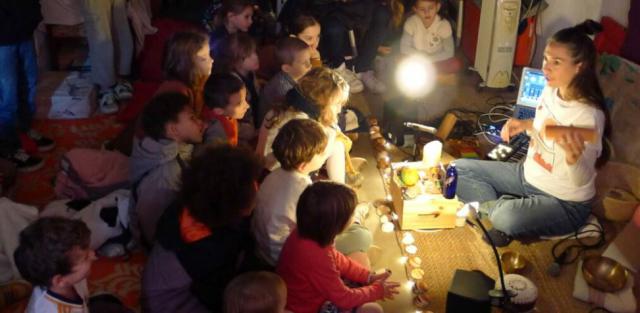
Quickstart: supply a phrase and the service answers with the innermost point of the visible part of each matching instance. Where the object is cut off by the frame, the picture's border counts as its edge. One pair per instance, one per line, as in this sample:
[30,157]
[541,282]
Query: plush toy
[107,218]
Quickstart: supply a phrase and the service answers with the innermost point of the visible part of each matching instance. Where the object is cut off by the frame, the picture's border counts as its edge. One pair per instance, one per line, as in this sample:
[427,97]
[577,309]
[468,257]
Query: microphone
[421,128]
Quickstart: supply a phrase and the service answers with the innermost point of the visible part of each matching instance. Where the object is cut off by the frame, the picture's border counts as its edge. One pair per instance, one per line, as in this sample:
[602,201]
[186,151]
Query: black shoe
[44,144]
[24,162]
[499,238]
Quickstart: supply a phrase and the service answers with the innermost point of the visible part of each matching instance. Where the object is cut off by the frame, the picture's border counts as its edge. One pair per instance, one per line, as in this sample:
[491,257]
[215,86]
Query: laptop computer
[532,83]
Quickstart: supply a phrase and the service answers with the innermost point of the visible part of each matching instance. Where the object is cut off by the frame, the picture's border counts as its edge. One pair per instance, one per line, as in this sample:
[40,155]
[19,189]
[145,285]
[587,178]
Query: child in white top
[54,256]
[427,33]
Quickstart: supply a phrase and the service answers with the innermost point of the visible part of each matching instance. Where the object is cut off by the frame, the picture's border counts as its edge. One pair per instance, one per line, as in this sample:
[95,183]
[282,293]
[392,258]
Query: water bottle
[450,182]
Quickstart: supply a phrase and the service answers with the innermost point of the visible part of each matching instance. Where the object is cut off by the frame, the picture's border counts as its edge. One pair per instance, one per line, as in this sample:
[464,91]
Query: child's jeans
[514,206]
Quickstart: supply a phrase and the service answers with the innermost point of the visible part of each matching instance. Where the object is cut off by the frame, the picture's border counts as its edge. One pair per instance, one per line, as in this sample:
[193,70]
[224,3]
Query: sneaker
[355,180]
[361,212]
[44,143]
[358,163]
[108,102]
[355,85]
[499,238]
[372,82]
[13,292]
[25,162]
[123,90]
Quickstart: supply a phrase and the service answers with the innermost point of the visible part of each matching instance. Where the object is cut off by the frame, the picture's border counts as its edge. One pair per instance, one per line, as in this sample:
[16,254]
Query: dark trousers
[371,29]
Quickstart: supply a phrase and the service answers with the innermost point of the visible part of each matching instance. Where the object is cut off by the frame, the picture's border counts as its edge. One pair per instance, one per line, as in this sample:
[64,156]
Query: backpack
[91,174]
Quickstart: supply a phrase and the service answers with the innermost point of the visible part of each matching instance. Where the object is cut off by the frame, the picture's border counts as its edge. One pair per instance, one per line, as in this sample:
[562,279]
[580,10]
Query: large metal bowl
[513,262]
[604,274]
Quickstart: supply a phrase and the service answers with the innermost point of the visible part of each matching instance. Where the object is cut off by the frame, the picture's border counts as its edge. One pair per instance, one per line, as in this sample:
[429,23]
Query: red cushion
[150,58]
[611,38]
[142,93]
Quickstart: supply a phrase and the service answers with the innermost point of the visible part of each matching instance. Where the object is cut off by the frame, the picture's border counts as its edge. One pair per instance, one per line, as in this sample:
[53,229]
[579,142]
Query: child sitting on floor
[294,59]
[54,256]
[225,99]
[426,32]
[238,57]
[229,18]
[171,128]
[312,267]
[307,29]
[301,148]
[256,292]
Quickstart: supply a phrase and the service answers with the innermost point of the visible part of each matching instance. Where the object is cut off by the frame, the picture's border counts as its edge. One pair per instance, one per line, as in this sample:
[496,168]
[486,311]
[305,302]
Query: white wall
[564,13]
[618,9]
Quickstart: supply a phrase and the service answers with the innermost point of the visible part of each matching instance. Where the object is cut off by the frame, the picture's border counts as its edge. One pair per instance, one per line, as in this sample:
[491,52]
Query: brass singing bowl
[604,274]
[512,262]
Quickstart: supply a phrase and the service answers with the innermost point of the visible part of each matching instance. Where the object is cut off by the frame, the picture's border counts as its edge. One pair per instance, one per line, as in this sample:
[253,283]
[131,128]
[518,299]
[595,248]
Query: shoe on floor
[499,238]
[24,162]
[108,102]
[44,143]
[372,82]
[358,163]
[123,90]
[355,85]
[361,212]
[13,292]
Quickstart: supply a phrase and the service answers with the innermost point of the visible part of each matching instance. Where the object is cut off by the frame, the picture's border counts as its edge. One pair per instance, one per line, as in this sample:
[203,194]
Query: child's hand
[380,275]
[390,289]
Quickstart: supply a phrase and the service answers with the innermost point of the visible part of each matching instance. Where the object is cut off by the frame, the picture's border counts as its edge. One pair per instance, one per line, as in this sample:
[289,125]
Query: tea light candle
[431,153]
[411,249]
[415,261]
[408,239]
[388,227]
[417,274]
[420,287]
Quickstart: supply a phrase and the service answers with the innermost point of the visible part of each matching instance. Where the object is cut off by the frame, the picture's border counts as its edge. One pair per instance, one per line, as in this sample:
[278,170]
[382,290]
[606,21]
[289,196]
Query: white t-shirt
[44,301]
[434,40]
[545,166]
[275,214]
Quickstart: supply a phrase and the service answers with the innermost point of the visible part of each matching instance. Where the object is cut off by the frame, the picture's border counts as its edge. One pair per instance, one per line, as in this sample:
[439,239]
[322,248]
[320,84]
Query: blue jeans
[18,77]
[514,206]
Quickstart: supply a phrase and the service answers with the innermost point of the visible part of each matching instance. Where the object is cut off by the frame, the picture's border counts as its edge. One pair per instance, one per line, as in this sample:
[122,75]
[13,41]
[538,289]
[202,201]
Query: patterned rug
[119,276]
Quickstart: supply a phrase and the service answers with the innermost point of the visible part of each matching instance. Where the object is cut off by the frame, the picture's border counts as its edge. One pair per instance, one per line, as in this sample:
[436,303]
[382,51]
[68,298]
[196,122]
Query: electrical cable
[572,252]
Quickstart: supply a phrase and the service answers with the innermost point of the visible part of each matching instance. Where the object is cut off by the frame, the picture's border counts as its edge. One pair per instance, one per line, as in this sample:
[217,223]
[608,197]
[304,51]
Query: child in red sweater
[312,267]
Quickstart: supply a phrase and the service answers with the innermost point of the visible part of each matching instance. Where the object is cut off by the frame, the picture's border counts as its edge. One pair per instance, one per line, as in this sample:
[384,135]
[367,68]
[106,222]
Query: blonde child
[320,95]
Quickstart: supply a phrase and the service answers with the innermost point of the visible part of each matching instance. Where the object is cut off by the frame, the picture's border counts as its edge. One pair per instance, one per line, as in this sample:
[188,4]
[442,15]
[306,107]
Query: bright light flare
[415,76]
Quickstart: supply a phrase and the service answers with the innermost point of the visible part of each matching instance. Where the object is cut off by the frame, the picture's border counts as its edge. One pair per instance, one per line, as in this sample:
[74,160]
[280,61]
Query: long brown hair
[179,59]
[235,48]
[585,86]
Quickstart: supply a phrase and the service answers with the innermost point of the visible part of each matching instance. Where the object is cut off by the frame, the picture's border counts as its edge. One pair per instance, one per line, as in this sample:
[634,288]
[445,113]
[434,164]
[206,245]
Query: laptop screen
[531,85]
